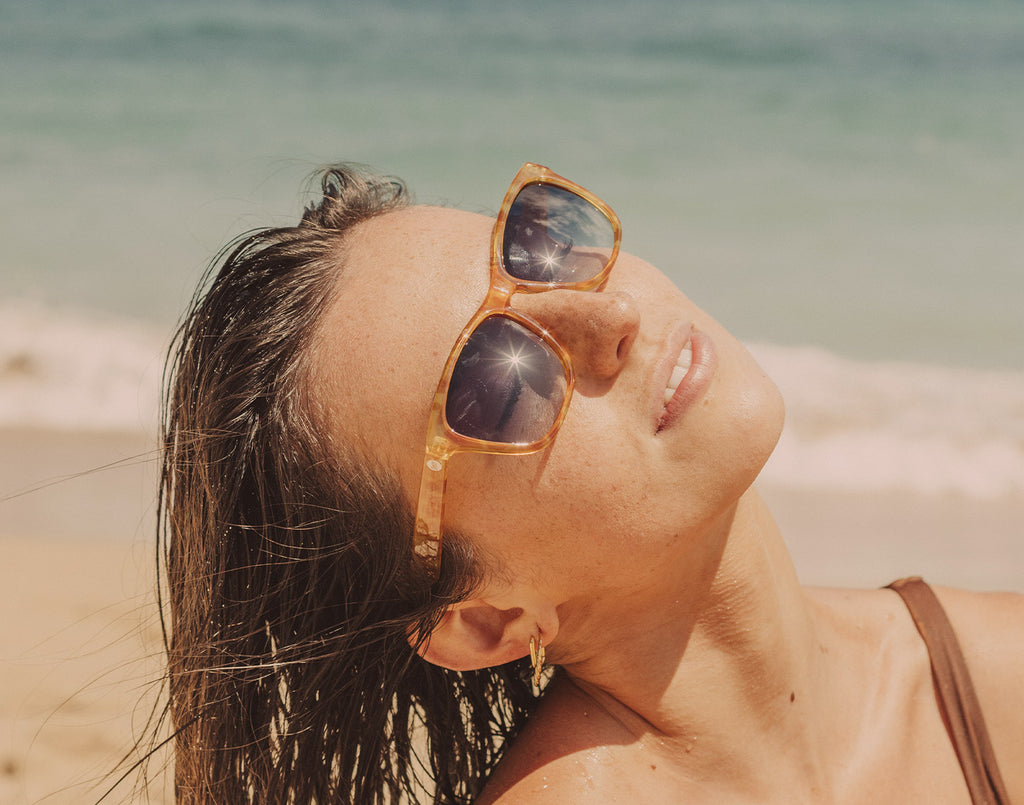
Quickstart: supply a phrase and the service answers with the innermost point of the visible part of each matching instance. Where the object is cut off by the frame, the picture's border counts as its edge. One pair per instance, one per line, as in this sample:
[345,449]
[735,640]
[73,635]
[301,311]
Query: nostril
[623,348]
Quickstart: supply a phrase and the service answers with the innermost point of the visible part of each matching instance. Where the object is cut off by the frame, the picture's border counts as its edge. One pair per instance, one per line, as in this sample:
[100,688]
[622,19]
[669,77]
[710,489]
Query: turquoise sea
[840,182]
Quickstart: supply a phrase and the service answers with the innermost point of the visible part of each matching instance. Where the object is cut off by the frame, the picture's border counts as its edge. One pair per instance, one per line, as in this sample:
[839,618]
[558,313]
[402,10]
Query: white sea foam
[885,426]
[72,371]
[850,424]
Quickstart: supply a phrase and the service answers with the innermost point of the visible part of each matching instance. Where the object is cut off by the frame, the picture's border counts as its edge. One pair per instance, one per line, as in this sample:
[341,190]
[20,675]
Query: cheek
[602,488]
[618,484]
[530,511]
[752,410]
[593,490]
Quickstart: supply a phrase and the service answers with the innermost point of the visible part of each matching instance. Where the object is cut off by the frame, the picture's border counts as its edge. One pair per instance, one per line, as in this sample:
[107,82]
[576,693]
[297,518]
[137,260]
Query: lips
[688,377]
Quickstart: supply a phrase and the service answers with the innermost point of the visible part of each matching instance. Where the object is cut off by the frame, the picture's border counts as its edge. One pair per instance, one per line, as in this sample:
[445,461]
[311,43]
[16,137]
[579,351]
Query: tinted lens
[552,235]
[508,386]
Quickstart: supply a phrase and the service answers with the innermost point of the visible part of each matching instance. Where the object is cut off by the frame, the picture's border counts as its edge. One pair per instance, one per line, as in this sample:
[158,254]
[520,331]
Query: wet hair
[292,591]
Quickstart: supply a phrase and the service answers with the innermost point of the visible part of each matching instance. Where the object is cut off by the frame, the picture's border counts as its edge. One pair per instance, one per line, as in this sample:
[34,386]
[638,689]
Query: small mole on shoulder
[792,697]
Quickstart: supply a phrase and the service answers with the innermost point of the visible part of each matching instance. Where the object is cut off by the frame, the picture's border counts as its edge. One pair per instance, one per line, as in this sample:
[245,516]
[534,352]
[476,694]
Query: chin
[772,417]
[758,414]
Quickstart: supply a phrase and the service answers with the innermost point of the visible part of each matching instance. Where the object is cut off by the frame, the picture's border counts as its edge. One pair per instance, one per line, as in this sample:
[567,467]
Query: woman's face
[630,482]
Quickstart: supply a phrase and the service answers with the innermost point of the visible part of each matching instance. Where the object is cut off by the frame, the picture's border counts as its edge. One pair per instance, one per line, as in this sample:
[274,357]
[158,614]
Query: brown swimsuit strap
[957,699]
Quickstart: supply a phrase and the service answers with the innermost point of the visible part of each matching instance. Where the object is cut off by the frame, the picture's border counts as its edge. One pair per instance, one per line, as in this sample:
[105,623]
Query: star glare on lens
[514,358]
[551,261]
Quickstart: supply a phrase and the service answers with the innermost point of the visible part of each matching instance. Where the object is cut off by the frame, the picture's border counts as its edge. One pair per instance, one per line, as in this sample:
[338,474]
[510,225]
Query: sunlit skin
[695,664]
[427,291]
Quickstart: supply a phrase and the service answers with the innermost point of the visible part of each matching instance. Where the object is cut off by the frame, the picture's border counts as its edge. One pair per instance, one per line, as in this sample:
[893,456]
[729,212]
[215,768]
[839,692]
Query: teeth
[679,372]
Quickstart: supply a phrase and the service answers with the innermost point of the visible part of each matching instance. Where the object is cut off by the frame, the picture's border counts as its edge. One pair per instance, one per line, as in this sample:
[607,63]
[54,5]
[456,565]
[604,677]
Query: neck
[740,632]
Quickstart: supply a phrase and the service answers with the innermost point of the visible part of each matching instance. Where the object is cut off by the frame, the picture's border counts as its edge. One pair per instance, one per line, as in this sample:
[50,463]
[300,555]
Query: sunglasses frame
[442,441]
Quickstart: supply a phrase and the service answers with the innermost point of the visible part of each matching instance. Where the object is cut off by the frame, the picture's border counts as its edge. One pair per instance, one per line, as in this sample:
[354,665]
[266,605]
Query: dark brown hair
[292,590]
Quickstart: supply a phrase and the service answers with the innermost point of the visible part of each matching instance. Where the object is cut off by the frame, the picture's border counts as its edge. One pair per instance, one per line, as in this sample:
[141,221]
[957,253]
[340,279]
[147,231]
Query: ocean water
[840,182]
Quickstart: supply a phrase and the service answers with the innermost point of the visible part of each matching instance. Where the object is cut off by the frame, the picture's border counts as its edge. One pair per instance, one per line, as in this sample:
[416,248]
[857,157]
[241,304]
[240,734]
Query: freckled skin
[658,579]
[413,279]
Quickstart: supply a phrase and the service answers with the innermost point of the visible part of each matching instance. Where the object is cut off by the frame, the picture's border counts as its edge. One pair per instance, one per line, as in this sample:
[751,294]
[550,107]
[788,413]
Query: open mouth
[689,378]
[679,371]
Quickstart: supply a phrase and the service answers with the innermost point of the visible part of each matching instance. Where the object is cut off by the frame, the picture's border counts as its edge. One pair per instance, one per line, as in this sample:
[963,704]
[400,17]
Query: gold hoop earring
[537,659]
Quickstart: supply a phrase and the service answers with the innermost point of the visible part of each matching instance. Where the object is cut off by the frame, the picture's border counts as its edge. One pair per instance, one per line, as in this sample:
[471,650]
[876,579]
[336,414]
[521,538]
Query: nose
[596,329]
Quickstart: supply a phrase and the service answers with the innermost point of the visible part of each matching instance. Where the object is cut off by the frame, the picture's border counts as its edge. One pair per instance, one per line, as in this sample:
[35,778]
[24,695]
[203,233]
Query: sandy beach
[81,641]
[839,184]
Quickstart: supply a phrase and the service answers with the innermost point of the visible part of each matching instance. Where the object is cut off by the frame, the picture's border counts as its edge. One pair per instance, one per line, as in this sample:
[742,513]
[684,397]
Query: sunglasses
[507,383]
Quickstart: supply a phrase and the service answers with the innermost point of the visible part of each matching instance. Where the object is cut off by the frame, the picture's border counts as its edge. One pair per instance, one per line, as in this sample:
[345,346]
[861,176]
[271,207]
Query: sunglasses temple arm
[429,512]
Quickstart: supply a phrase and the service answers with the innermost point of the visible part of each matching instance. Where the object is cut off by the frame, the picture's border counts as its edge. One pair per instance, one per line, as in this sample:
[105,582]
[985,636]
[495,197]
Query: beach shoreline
[838,184]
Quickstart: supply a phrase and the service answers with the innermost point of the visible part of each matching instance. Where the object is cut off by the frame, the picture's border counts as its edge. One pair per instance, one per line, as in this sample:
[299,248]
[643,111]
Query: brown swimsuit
[957,700]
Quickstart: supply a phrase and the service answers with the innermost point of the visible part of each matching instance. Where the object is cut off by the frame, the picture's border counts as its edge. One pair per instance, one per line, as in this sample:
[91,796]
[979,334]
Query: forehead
[408,282]
[419,245]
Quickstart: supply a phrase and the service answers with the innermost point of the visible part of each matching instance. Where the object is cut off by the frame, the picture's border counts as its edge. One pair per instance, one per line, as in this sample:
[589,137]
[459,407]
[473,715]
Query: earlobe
[476,634]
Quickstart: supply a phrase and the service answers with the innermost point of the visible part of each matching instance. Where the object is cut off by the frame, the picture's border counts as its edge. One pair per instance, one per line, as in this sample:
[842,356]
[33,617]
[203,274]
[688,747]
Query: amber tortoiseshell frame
[442,441]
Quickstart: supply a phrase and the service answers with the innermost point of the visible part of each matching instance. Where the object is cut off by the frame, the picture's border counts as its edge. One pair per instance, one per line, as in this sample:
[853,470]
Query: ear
[478,634]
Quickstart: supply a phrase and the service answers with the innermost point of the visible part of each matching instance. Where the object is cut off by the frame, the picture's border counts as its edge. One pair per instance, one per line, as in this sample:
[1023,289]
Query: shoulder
[569,752]
[990,629]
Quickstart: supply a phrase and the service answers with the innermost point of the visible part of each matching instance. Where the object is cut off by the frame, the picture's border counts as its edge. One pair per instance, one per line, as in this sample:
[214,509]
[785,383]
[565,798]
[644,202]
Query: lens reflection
[553,235]
[507,386]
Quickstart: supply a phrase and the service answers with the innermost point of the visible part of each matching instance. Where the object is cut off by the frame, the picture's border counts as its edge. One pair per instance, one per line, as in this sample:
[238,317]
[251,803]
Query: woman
[357,618]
